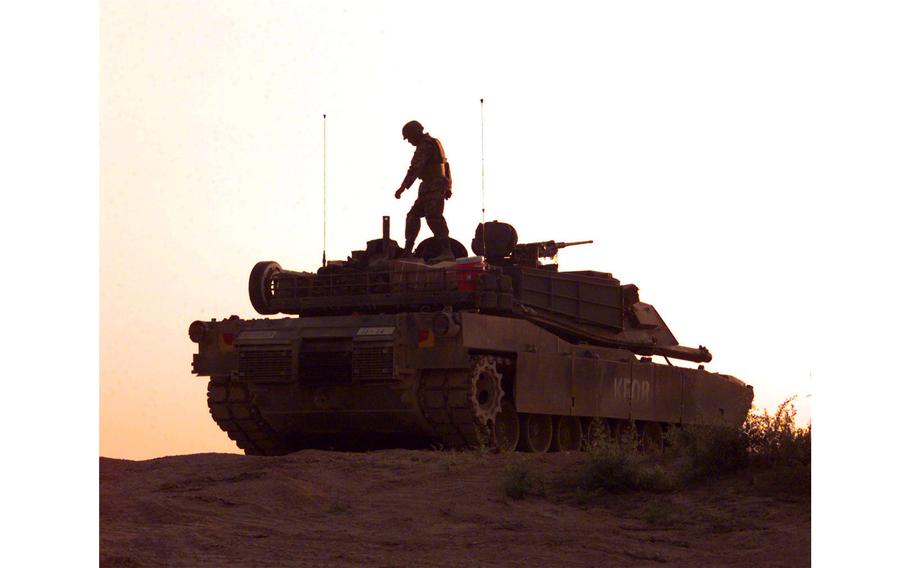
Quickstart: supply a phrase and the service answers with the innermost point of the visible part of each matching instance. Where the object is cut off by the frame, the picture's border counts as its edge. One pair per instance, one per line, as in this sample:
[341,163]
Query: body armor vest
[437,166]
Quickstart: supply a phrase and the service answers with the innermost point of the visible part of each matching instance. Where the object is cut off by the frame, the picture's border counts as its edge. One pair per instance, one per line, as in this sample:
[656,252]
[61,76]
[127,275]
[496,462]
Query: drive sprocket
[486,389]
[461,405]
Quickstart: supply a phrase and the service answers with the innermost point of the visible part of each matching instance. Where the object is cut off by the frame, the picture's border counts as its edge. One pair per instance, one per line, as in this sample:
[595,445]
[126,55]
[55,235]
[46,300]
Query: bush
[706,451]
[614,468]
[775,452]
[519,481]
[772,447]
[776,440]
[779,451]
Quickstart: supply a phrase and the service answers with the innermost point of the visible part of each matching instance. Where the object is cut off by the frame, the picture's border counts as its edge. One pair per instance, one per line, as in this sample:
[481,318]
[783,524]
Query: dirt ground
[425,508]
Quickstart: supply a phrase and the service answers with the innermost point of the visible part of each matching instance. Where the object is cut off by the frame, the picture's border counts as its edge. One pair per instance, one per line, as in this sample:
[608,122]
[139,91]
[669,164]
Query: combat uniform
[430,165]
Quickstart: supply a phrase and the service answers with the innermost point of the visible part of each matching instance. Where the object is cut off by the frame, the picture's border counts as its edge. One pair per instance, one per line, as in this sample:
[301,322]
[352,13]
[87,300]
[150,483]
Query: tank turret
[587,305]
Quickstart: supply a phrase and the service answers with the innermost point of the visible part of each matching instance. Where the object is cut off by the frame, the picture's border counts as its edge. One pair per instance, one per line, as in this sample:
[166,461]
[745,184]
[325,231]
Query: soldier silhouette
[430,165]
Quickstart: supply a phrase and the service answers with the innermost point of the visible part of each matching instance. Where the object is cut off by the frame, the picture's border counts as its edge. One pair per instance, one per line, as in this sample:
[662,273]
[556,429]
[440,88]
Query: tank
[499,348]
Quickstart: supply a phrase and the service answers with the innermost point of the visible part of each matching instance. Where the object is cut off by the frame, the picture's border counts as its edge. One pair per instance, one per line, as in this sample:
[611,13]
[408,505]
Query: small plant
[615,468]
[627,437]
[454,458]
[598,435]
[485,440]
[519,481]
[339,506]
[582,496]
[658,513]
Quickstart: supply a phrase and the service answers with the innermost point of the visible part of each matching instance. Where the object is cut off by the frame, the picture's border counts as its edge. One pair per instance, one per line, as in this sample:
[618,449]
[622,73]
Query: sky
[702,146]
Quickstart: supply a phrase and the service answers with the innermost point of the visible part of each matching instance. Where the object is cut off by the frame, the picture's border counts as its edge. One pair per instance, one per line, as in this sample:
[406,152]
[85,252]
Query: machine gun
[498,242]
[529,254]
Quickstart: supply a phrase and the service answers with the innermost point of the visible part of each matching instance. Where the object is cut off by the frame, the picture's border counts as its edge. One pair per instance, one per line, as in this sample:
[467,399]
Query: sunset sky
[701,147]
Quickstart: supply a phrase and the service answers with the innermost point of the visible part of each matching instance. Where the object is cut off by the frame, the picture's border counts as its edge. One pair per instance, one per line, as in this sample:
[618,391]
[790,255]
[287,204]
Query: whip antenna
[323,190]
[483,196]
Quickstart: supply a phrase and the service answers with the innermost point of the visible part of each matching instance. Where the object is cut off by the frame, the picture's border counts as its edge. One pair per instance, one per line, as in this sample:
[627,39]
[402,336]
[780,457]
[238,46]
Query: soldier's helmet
[412,128]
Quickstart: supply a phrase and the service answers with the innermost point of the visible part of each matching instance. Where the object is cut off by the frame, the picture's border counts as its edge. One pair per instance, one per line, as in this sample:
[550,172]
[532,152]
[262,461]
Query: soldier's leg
[412,225]
[437,224]
[411,228]
[433,212]
[439,227]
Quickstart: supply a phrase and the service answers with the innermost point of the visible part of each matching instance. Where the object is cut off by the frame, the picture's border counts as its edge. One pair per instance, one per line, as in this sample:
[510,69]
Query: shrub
[705,451]
[614,468]
[599,435]
[775,452]
[779,451]
[776,440]
[772,447]
[519,481]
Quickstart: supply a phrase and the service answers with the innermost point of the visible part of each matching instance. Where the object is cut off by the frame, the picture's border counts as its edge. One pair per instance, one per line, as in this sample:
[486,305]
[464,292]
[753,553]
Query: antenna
[323,190]
[483,196]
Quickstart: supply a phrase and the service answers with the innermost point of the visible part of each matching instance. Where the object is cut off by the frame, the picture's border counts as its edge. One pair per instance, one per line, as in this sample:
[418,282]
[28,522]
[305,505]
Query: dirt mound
[424,508]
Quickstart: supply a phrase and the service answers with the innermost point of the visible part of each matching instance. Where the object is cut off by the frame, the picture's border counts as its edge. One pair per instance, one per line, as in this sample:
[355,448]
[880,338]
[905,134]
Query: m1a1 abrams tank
[498,348]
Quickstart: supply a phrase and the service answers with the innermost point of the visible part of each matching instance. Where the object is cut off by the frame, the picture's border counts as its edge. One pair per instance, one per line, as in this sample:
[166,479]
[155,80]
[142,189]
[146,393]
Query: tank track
[445,398]
[231,406]
[447,401]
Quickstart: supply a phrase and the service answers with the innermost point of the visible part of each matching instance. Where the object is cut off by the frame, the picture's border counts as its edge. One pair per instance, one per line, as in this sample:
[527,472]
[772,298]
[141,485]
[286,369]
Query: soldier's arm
[421,155]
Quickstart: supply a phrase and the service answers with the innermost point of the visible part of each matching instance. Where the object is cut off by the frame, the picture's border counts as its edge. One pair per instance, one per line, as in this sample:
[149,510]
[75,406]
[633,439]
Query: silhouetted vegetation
[780,453]
[770,450]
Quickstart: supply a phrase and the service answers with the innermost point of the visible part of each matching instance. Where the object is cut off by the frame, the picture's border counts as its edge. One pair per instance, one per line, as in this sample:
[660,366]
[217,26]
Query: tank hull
[421,378]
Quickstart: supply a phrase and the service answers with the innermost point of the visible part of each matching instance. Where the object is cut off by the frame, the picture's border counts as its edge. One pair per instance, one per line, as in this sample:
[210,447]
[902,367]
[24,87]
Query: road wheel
[536,432]
[568,436]
[507,428]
